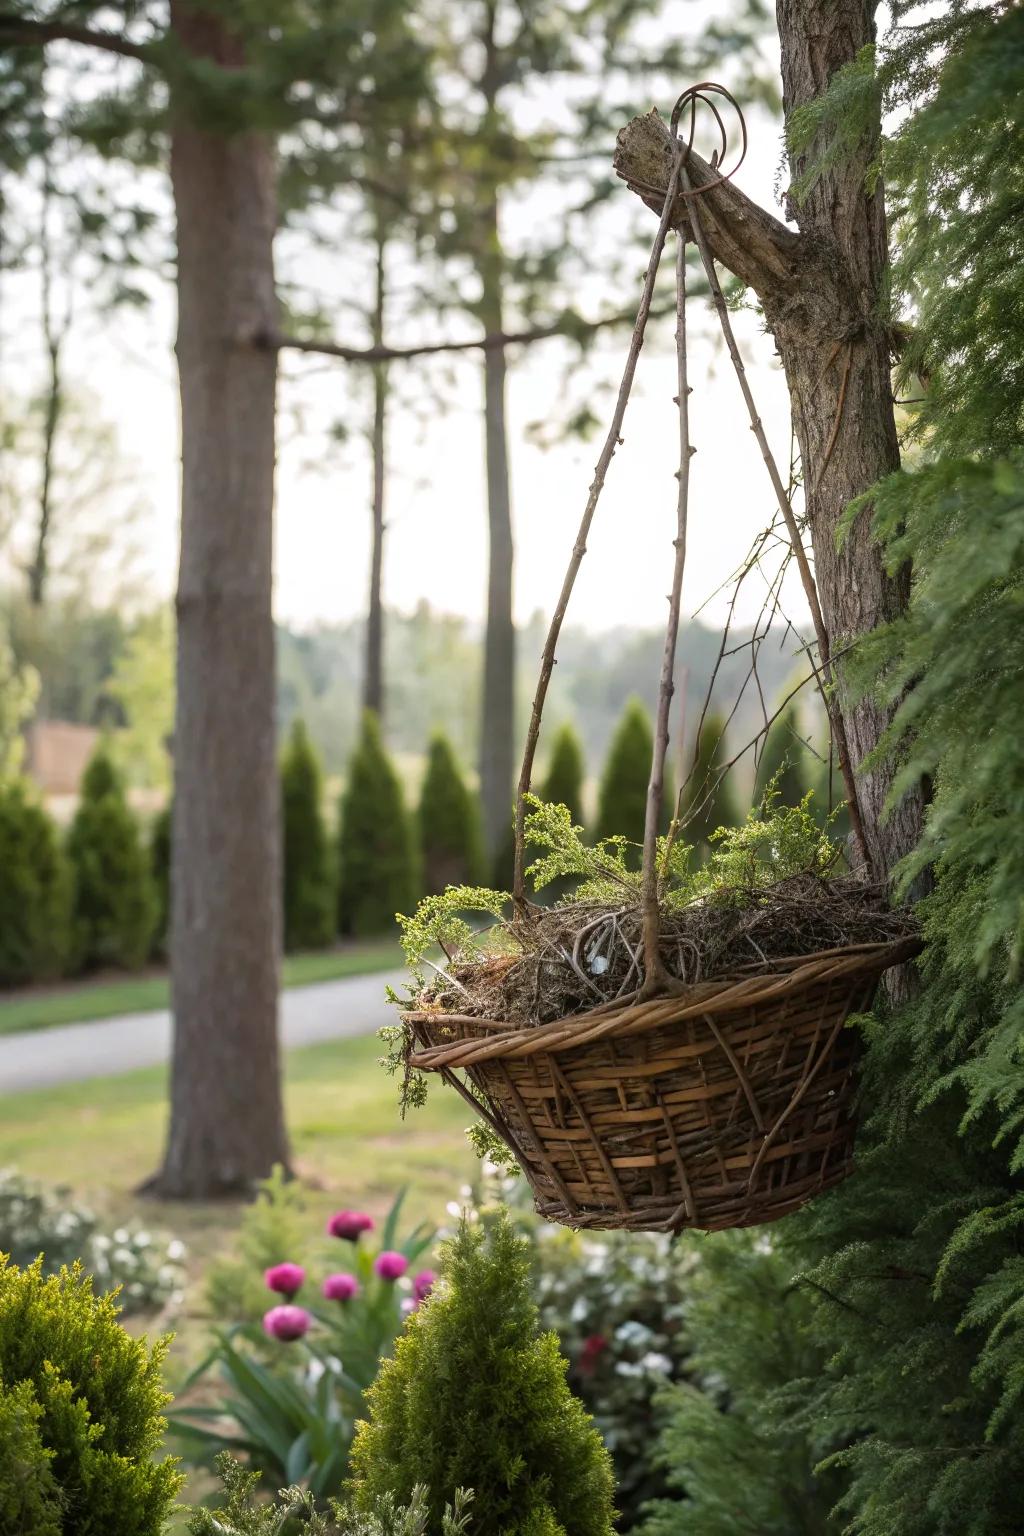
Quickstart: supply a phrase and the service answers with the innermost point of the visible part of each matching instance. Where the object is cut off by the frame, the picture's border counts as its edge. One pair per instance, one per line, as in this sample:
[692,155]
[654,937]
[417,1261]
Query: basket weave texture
[729,1105]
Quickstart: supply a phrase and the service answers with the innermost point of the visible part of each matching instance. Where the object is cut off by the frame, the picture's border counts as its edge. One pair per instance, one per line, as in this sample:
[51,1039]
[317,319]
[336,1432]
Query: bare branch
[17,32]
[744,237]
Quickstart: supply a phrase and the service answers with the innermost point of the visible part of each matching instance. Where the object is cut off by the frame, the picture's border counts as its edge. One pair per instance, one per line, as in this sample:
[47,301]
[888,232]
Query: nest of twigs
[575,956]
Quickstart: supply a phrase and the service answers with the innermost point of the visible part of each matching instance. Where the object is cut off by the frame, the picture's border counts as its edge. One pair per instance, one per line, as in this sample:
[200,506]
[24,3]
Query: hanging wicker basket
[729,1105]
[721,1103]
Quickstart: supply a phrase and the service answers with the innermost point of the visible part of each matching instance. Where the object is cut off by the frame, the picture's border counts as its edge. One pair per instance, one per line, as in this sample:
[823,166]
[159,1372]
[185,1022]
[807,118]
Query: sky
[436,545]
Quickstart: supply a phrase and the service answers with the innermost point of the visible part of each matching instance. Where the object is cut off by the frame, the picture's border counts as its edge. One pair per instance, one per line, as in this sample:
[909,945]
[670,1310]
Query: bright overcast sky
[437,533]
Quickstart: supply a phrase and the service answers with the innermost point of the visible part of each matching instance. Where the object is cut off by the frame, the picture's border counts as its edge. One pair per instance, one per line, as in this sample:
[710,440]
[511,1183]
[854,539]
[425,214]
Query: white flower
[655,1362]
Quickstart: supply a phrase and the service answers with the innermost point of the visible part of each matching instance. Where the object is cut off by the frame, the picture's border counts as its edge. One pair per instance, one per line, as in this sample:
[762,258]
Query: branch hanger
[689,219]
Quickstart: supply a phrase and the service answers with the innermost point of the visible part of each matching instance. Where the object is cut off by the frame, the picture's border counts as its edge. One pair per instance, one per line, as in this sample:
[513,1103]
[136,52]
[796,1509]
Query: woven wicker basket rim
[502,1039]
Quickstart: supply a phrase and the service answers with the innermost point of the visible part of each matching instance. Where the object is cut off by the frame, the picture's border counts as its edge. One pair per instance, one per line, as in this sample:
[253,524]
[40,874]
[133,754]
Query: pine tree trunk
[821,292]
[373,679]
[498,722]
[227,1122]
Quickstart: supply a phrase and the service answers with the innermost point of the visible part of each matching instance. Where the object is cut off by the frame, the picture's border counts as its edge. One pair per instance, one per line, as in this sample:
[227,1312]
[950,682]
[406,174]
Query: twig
[655,976]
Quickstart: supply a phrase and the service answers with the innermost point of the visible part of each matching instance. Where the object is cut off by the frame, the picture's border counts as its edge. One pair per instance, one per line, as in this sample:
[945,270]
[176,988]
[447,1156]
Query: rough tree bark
[373,675]
[819,288]
[227,1123]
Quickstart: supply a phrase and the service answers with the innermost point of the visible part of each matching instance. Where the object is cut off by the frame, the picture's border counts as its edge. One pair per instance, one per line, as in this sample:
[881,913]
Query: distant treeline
[99,896]
[97,667]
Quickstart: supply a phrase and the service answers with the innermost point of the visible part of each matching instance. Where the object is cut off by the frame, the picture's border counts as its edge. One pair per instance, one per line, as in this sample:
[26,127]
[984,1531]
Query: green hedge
[35,891]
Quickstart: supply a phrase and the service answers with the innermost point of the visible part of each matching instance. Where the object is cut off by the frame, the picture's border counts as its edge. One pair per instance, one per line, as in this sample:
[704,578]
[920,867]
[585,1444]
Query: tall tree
[230,78]
[784,758]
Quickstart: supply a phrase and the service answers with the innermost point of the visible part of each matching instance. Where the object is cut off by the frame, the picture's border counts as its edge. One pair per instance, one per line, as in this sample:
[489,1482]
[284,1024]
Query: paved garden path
[43,1058]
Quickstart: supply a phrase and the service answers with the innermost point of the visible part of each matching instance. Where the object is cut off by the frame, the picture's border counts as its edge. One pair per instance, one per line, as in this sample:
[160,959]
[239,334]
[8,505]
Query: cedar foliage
[622,795]
[86,1402]
[707,804]
[114,904]
[307,870]
[563,783]
[448,823]
[375,845]
[35,891]
[915,1263]
[727,1445]
[476,1396]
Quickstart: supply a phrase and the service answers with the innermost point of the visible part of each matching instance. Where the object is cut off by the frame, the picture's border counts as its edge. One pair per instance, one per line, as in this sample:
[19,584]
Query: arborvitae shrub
[95,1398]
[784,754]
[35,891]
[563,783]
[448,824]
[30,1496]
[115,908]
[476,1397]
[705,807]
[375,843]
[160,869]
[622,796]
[309,897]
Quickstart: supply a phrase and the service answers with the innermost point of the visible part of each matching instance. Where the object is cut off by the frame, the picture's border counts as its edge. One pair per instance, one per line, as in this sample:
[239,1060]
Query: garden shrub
[294,1509]
[160,869]
[615,1300]
[35,891]
[375,844]
[622,795]
[707,805]
[98,1401]
[726,1445]
[36,1220]
[476,1396]
[563,783]
[30,1498]
[309,898]
[448,823]
[115,908]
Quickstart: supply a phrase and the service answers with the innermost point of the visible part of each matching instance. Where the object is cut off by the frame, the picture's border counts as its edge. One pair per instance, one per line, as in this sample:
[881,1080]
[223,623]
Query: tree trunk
[53,338]
[373,679]
[227,1122]
[820,290]
[498,722]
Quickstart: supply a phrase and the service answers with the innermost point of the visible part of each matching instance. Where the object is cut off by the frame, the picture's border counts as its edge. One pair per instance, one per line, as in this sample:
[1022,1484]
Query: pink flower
[390,1265]
[285,1278]
[423,1284]
[286,1323]
[340,1287]
[349,1224]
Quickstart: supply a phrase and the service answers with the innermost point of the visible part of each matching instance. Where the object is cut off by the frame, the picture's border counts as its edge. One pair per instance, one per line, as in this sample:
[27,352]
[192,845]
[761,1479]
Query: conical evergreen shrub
[476,1397]
[705,806]
[563,783]
[115,907]
[785,754]
[447,823]
[622,796]
[307,866]
[160,869]
[35,891]
[375,844]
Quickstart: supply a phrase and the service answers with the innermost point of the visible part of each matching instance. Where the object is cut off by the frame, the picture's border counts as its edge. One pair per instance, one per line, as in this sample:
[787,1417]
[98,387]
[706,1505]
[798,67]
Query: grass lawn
[350,1149]
[79,1002]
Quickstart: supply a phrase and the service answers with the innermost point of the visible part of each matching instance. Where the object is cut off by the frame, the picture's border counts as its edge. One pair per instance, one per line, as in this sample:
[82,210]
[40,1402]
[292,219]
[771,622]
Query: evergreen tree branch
[18,32]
